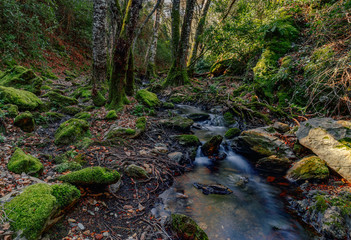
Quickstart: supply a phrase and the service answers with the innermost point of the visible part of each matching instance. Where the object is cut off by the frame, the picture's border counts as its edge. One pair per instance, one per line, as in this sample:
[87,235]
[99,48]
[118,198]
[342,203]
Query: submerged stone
[21,162]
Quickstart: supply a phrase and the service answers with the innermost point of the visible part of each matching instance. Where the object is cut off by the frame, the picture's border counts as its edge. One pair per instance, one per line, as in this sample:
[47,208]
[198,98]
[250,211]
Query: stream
[254,209]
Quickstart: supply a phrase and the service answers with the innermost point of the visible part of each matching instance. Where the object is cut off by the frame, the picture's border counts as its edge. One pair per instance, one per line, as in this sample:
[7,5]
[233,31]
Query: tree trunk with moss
[198,34]
[150,67]
[178,74]
[130,74]
[123,45]
[99,46]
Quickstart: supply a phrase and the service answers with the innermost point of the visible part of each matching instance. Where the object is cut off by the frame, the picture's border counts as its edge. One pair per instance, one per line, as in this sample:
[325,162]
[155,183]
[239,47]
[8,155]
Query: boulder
[21,162]
[25,121]
[199,116]
[111,115]
[176,157]
[60,100]
[309,168]
[21,78]
[71,110]
[188,140]
[71,131]
[23,99]
[281,127]
[93,176]
[38,207]
[232,132]
[116,132]
[135,171]
[211,147]
[330,141]
[178,123]
[147,98]
[83,115]
[274,164]
[185,227]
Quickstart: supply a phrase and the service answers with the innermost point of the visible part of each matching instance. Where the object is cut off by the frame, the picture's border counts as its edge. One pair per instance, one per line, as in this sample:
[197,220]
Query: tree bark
[99,45]
[150,67]
[130,74]
[199,31]
[175,15]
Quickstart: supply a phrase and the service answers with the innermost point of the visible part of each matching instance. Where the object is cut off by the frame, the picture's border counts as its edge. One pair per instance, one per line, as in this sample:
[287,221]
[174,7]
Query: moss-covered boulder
[93,176]
[147,98]
[188,140]
[25,121]
[309,168]
[99,100]
[21,162]
[118,132]
[21,78]
[111,115]
[211,147]
[23,99]
[185,227]
[71,110]
[168,105]
[199,116]
[71,131]
[39,207]
[232,132]
[83,115]
[135,171]
[54,116]
[60,100]
[12,110]
[178,123]
[68,166]
[274,164]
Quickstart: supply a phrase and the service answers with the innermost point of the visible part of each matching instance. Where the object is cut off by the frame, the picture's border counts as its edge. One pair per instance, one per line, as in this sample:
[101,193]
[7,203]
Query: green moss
[71,110]
[177,99]
[99,100]
[135,171]
[188,140]
[83,115]
[309,168]
[147,98]
[71,131]
[54,116]
[21,162]
[59,100]
[140,124]
[187,228]
[320,204]
[23,99]
[111,115]
[92,176]
[167,105]
[49,74]
[68,166]
[12,110]
[21,78]
[232,132]
[212,146]
[30,210]
[178,123]
[25,121]
[346,142]
[121,133]
[65,194]
[229,118]
[130,131]
[84,143]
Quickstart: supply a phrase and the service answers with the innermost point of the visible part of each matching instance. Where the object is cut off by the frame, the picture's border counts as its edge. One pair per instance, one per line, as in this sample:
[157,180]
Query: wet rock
[274,164]
[309,168]
[239,181]
[178,123]
[232,132]
[25,121]
[185,228]
[211,147]
[281,127]
[329,140]
[135,171]
[218,157]
[199,116]
[176,156]
[116,132]
[213,189]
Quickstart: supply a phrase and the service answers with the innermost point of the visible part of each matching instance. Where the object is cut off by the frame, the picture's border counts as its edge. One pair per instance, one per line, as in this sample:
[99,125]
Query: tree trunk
[175,14]
[124,42]
[150,67]
[99,46]
[178,73]
[199,31]
[130,74]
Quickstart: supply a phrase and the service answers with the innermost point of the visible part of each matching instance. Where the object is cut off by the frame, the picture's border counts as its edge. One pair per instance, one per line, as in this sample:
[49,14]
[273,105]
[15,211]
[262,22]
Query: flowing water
[252,211]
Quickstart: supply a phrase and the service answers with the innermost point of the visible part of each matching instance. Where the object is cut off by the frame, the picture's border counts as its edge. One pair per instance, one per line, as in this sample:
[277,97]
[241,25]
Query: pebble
[91,213]
[97,209]
[81,226]
[106,234]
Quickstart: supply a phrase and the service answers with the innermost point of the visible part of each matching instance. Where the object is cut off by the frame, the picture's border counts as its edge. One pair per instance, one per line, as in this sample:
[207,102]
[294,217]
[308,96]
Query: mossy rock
[168,105]
[23,99]
[119,132]
[68,166]
[186,228]
[140,124]
[178,123]
[71,131]
[34,210]
[25,121]
[309,168]
[21,162]
[229,118]
[99,100]
[92,176]
[147,98]
[83,115]
[188,140]
[12,110]
[71,110]
[84,143]
[135,171]
[232,132]
[60,100]
[54,116]
[199,116]
[212,146]
[21,78]
[111,115]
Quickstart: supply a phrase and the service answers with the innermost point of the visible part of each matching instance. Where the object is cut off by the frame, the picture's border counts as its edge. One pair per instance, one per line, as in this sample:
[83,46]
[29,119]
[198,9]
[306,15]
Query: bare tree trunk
[99,48]
[124,42]
[199,31]
[178,73]
[150,67]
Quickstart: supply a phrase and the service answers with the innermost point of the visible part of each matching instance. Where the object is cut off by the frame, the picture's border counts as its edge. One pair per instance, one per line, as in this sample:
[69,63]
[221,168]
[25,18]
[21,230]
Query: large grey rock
[328,139]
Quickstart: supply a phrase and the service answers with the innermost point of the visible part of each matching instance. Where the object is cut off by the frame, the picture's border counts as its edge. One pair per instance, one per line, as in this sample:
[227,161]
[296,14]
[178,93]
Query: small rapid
[252,211]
